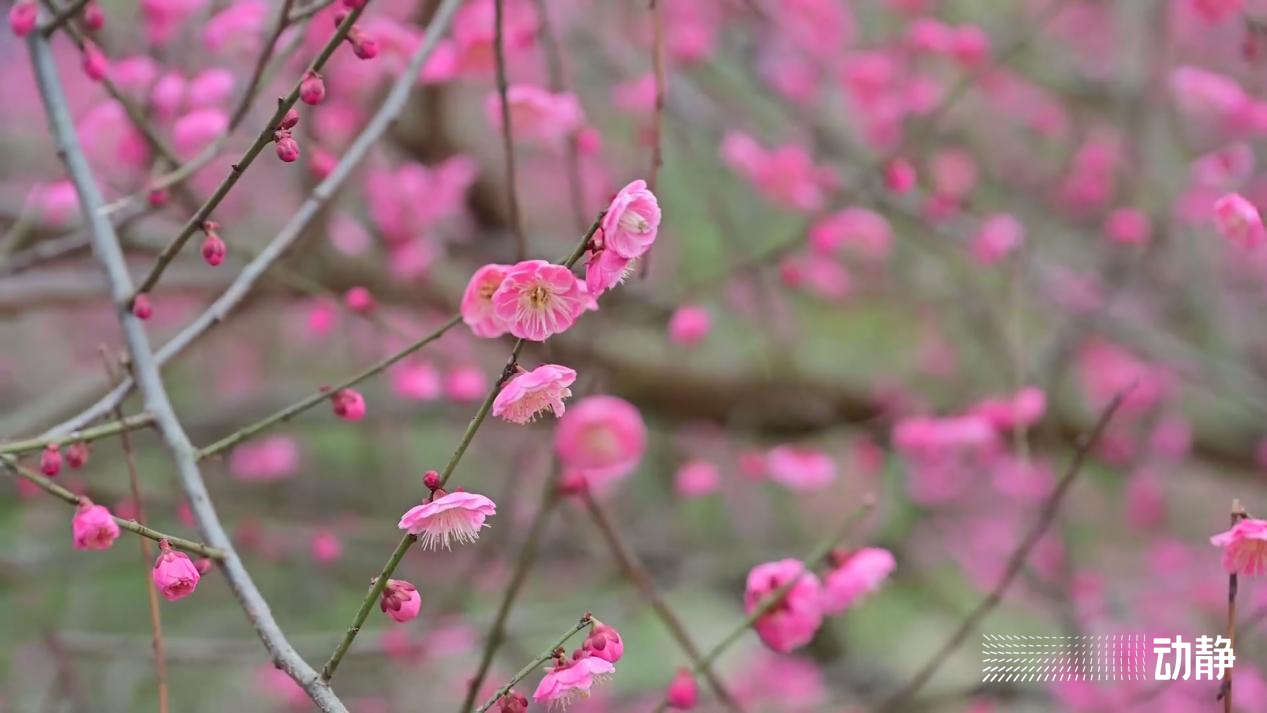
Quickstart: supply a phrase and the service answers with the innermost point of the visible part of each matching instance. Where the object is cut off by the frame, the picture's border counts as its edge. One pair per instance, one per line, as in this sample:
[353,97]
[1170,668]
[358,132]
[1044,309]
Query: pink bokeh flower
[175,575]
[793,620]
[1238,220]
[786,175]
[1000,235]
[689,325]
[456,516]
[528,394]
[696,479]
[1244,547]
[855,575]
[537,299]
[536,114]
[859,231]
[400,600]
[93,528]
[683,691]
[632,221]
[601,437]
[477,301]
[571,679]
[801,469]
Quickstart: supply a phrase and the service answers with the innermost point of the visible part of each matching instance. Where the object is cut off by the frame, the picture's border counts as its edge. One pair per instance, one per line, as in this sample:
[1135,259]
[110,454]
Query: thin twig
[147,554]
[261,62]
[1015,563]
[657,117]
[637,573]
[508,133]
[248,157]
[1225,690]
[542,658]
[119,425]
[136,528]
[62,17]
[276,248]
[376,589]
[527,554]
[108,252]
[554,71]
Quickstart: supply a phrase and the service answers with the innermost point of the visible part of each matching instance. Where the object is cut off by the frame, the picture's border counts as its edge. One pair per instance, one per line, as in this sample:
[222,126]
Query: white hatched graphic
[1107,657]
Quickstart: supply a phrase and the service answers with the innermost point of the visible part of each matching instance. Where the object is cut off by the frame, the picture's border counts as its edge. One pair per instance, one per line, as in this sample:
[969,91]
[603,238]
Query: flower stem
[542,658]
[376,591]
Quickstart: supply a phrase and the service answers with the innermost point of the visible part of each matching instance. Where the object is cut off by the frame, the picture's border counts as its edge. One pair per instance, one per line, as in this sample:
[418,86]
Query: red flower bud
[51,460]
[287,147]
[94,17]
[213,249]
[141,307]
[312,90]
[289,120]
[77,454]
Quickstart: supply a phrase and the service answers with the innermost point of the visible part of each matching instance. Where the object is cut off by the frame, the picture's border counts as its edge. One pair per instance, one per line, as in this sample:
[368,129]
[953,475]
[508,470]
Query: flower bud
[92,527]
[141,307]
[94,17]
[604,642]
[157,197]
[400,600]
[363,46]
[51,460]
[312,90]
[512,702]
[287,147]
[174,575]
[290,120]
[432,480]
[23,17]
[213,249]
[359,299]
[899,175]
[95,64]
[77,454]
[348,404]
[683,692]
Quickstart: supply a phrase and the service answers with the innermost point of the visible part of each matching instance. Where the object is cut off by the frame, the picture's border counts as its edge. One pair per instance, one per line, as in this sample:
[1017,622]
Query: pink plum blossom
[1239,221]
[536,300]
[696,479]
[1244,547]
[536,114]
[855,575]
[689,325]
[602,437]
[175,575]
[794,619]
[801,469]
[452,517]
[92,527]
[400,600]
[269,459]
[528,394]
[571,679]
[632,221]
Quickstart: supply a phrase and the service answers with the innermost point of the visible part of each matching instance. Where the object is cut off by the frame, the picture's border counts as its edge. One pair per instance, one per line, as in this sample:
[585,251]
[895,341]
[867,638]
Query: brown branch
[508,133]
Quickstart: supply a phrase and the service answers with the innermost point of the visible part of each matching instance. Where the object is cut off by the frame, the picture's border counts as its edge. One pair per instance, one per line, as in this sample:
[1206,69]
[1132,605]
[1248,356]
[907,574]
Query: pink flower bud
[92,527]
[51,460]
[213,249]
[141,307]
[312,90]
[899,176]
[77,455]
[157,197]
[431,479]
[94,17]
[175,576]
[95,64]
[348,404]
[604,642]
[290,120]
[202,564]
[287,147]
[340,15]
[683,692]
[359,299]
[512,702]
[22,17]
[363,46]
[400,600]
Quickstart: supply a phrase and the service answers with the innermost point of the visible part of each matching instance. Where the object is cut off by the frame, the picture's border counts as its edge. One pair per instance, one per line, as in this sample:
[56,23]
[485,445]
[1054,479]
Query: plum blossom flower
[689,325]
[1000,235]
[604,270]
[601,437]
[537,114]
[786,175]
[525,396]
[537,299]
[92,527]
[632,221]
[1239,221]
[174,574]
[792,621]
[801,469]
[456,516]
[859,230]
[1244,547]
[400,600]
[571,679]
[857,574]
[603,642]
[477,301]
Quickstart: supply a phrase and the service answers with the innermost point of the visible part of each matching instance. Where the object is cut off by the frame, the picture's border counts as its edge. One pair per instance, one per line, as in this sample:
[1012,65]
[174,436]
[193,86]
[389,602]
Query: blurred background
[910,249]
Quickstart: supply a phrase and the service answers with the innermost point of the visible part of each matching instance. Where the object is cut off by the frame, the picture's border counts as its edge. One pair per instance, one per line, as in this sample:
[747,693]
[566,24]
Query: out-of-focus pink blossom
[601,437]
[683,691]
[1239,221]
[696,479]
[794,619]
[1128,226]
[1244,547]
[860,231]
[689,325]
[196,130]
[465,384]
[416,381]
[786,175]
[348,404]
[536,114]
[1000,235]
[269,459]
[801,469]
[855,575]
[326,547]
